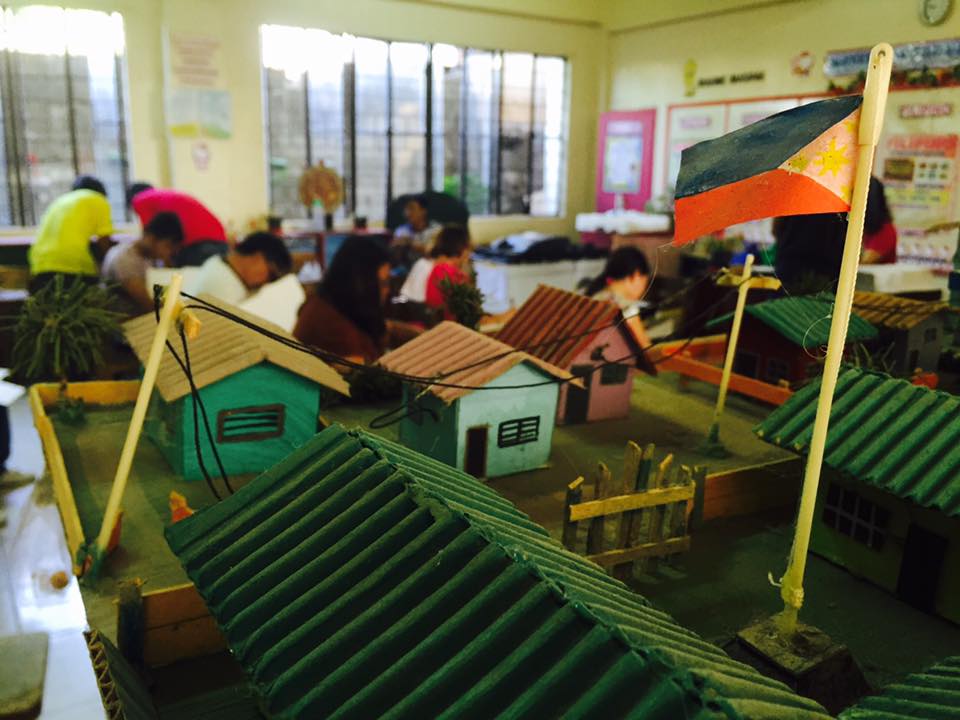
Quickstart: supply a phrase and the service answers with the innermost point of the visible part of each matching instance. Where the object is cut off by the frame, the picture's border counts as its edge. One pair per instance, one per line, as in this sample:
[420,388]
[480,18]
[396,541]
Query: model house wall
[917,555]
[608,390]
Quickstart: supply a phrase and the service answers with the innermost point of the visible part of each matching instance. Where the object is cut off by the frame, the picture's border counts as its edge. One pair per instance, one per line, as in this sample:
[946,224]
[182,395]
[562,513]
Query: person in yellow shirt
[62,245]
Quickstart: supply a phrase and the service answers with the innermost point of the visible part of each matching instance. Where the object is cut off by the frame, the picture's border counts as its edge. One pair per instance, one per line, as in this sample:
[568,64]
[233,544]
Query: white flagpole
[871,123]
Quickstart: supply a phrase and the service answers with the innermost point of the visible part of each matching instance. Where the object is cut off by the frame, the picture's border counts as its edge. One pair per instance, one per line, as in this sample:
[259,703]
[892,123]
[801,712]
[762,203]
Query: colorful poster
[919,172]
[625,159]
[908,56]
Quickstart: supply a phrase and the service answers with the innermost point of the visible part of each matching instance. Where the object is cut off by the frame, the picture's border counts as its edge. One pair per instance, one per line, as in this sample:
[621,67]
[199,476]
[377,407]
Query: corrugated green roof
[933,694]
[891,434]
[359,579]
[803,320]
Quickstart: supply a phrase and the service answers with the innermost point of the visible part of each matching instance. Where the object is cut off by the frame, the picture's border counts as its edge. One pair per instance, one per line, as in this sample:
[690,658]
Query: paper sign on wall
[197,103]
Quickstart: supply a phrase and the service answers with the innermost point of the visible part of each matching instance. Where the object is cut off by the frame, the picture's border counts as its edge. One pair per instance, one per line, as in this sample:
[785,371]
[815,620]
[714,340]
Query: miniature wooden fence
[653,505]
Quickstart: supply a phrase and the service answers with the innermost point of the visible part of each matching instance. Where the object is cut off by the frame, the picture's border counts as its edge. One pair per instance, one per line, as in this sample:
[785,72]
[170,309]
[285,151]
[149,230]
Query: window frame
[613,374]
[519,431]
[494,199]
[23,210]
[865,517]
[225,415]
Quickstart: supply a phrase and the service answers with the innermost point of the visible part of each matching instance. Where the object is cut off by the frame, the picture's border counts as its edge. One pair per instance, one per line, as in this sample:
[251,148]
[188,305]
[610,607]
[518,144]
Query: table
[508,285]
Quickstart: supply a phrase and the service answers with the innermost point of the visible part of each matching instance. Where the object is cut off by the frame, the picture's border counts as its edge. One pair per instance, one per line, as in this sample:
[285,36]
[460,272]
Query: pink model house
[588,338]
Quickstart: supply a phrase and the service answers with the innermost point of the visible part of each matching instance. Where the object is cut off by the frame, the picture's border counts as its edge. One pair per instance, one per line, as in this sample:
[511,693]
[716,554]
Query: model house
[588,338]
[911,331]
[783,340]
[491,411]
[888,508]
[360,577]
[262,398]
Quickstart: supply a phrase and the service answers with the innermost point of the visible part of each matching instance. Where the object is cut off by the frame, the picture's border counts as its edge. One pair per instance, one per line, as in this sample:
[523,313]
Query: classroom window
[518,432]
[856,517]
[250,423]
[61,107]
[930,335]
[486,126]
[614,374]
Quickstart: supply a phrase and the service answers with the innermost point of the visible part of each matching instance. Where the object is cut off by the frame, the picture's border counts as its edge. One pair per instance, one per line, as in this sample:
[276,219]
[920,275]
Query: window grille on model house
[852,515]
[518,432]
[250,423]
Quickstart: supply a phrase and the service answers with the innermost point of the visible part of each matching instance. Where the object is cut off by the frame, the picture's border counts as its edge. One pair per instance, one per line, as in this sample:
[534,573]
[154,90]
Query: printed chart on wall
[625,158]
[919,172]
[197,104]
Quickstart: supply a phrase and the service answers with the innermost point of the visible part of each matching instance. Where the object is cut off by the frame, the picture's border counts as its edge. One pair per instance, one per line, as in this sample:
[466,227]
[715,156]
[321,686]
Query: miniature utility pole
[97,553]
[871,122]
[744,283]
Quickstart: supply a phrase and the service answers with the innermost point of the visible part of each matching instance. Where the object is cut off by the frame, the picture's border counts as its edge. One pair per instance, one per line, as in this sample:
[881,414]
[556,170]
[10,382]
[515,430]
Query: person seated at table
[624,281]
[879,234]
[345,316]
[126,264]
[62,245]
[203,233]
[260,258]
[451,263]
[414,238]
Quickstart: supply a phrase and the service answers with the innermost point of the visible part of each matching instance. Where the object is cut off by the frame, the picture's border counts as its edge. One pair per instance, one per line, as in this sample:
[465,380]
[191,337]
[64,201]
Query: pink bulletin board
[625,158]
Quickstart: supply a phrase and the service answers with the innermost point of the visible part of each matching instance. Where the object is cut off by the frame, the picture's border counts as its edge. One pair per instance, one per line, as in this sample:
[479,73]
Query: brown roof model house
[262,398]
[589,338]
[489,409]
[913,329]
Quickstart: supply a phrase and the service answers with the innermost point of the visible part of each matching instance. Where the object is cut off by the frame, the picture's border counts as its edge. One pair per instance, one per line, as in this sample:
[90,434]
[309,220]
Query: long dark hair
[351,284]
[623,263]
[451,241]
[878,214]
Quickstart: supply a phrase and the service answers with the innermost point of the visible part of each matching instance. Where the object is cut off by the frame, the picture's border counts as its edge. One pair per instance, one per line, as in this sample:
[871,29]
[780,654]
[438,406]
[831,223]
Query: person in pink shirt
[203,233]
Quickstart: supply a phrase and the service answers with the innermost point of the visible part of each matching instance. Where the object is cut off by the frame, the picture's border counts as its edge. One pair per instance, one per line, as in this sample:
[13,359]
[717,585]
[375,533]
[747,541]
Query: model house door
[475,462]
[920,569]
[578,399]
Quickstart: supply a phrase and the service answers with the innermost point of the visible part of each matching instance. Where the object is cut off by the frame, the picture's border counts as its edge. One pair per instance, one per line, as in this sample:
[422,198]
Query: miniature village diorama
[251,545]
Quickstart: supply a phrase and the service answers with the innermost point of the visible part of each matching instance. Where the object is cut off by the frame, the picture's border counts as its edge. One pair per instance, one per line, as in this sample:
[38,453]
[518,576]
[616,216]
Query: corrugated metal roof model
[933,694]
[896,313]
[896,436]
[557,325]
[457,355]
[360,579]
[225,347]
[803,319]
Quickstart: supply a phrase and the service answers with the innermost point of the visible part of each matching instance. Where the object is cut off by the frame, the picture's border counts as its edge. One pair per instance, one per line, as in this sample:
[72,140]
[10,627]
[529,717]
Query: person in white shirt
[125,265]
[259,259]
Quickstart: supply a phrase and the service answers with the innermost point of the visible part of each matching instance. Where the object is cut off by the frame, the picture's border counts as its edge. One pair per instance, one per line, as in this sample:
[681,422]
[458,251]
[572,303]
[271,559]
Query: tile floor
[32,548]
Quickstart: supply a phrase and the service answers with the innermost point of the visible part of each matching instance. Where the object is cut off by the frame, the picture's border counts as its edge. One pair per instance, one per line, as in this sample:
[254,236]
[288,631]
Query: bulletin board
[917,156]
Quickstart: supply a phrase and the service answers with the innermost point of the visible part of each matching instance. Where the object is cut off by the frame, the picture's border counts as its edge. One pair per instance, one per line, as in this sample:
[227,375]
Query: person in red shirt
[879,234]
[203,233]
[451,255]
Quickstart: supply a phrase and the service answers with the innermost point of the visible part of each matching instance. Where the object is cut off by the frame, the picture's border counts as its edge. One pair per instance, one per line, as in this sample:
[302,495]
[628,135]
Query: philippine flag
[797,162]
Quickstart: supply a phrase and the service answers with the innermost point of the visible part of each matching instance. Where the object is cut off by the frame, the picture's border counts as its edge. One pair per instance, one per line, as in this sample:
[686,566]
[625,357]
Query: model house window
[852,515]
[61,107]
[746,364]
[614,374]
[518,432]
[930,335]
[393,118]
[250,423]
[777,370]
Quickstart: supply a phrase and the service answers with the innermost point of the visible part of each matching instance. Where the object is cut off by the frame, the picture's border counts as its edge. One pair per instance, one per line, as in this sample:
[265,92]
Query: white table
[506,286]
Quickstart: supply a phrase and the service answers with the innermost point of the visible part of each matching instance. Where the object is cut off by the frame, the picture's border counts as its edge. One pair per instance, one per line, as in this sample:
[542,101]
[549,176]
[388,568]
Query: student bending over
[126,264]
[259,259]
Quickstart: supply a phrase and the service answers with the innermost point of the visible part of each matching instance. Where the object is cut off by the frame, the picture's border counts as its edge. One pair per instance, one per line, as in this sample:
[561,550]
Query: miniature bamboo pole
[742,291]
[871,122]
[170,302]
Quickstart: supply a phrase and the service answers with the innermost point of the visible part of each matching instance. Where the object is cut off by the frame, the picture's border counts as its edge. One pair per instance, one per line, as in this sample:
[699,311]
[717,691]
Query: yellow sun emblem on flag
[832,159]
[798,163]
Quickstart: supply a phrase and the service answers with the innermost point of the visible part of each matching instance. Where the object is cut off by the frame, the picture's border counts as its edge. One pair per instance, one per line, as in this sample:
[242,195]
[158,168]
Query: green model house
[262,398]
[360,579]
[491,410]
[888,507]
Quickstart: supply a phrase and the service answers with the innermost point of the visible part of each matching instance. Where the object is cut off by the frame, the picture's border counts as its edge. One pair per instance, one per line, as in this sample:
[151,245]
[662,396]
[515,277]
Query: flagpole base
[712,446]
[806,660]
